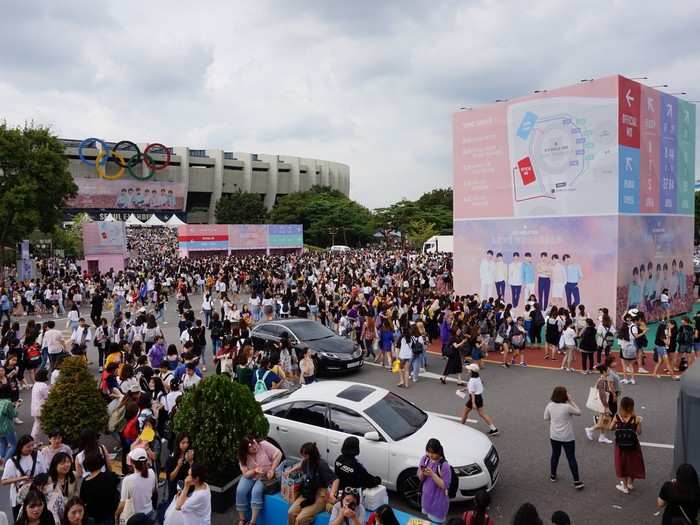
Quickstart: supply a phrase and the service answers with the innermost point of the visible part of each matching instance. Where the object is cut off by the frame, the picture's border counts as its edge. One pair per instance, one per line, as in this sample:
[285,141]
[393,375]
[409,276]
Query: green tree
[241,208]
[217,414]
[74,403]
[327,215]
[438,197]
[70,238]
[34,181]
[419,231]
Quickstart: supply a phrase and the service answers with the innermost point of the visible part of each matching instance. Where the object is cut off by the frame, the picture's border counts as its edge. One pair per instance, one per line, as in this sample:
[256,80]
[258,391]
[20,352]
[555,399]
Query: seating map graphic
[563,151]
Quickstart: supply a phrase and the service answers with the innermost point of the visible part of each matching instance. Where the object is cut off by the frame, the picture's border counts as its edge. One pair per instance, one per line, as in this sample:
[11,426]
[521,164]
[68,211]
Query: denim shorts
[685,349]
[661,351]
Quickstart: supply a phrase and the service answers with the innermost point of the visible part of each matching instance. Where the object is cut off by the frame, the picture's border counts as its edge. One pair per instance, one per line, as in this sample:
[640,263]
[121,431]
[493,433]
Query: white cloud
[372,84]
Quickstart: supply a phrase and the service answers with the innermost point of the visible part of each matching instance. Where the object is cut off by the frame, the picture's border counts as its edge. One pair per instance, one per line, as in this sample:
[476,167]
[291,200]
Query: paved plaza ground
[516,398]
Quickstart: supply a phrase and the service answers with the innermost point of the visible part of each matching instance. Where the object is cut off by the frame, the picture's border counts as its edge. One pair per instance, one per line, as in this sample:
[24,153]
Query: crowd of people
[394,304]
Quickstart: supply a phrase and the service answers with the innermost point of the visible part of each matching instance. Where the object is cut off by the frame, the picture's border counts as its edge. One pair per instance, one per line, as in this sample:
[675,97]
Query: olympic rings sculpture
[115,154]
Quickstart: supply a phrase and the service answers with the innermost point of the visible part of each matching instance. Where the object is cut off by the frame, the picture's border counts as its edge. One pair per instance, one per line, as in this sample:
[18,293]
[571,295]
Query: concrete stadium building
[200,176]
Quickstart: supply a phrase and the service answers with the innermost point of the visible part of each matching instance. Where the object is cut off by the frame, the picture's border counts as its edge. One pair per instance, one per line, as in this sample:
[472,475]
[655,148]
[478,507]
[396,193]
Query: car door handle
[282,429]
[334,441]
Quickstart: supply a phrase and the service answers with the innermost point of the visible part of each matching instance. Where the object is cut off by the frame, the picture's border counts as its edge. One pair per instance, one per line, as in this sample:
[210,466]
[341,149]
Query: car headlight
[328,355]
[468,470]
[357,353]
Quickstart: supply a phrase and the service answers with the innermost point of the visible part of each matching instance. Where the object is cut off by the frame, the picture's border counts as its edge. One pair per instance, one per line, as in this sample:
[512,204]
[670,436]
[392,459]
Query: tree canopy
[34,181]
[241,208]
[327,215]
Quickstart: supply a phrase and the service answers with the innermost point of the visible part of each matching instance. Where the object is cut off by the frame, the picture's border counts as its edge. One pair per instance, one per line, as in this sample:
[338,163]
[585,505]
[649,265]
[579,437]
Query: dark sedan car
[331,353]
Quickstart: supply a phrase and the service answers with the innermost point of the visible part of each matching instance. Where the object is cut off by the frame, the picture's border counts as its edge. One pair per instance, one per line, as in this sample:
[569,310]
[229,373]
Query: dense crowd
[395,304]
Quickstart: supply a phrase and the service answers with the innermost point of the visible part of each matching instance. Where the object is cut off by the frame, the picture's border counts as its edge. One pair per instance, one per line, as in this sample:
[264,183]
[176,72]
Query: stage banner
[560,262]
[128,194]
[247,236]
[655,254]
[285,236]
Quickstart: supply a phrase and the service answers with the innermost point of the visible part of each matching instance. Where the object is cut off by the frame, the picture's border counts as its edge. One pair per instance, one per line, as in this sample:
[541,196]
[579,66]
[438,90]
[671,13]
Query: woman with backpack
[405,356]
[605,337]
[589,345]
[21,469]
[629,462]
[317,477]
[661,347]
[435,476]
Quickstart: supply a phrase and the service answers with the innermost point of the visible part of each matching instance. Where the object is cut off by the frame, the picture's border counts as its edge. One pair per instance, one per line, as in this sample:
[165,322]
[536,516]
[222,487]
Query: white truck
[439,244]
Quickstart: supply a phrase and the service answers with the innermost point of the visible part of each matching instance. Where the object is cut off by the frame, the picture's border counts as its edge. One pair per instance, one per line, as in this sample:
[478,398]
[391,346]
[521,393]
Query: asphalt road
[515,398]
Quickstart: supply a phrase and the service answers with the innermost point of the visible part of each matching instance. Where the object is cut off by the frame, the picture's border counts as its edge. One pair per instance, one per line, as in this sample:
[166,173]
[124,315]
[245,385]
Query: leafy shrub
[217,414]
[74,403]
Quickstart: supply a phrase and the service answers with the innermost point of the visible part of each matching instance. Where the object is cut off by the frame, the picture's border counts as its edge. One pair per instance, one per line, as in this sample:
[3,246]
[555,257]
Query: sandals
[442,380]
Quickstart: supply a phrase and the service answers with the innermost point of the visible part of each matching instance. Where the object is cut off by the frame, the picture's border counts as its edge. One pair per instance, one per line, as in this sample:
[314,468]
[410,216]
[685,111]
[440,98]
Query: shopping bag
[594,403]
[396,366]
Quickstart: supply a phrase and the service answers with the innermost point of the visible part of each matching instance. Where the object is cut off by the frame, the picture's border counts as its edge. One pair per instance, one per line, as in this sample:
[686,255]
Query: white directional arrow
[650,104]
[669,110]
[628,163]
[629,98]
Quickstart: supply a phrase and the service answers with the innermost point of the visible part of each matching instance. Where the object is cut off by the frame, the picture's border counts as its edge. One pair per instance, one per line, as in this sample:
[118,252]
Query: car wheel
[408,487]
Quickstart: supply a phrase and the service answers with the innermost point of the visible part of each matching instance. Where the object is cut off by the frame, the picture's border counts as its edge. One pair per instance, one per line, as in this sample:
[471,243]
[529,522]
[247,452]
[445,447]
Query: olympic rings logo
[124,163]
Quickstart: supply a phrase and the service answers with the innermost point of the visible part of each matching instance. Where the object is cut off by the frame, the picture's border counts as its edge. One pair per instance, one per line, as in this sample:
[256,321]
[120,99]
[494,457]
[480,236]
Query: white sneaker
[589,433]
[642,370]
[624,381]
[632,382]
[603,439]
[622,488]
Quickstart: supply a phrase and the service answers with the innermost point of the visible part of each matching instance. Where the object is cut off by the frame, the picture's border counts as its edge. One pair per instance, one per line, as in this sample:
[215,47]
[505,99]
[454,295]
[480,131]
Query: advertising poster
[573,270]
[655,254]
[247,236]
[285,235]
[104,238]
[128,194]
[554,153]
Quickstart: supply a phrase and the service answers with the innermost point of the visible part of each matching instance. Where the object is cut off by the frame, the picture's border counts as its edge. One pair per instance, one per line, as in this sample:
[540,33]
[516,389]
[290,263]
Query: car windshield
[396,416]
[280,394]
[310,331]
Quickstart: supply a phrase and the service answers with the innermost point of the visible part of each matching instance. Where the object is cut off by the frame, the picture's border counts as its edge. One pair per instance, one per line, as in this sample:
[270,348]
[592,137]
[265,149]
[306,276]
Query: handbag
[594,403]
[271,486]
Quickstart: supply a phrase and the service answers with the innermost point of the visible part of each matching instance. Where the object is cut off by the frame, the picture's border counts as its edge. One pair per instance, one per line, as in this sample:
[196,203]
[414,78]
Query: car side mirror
[372,436]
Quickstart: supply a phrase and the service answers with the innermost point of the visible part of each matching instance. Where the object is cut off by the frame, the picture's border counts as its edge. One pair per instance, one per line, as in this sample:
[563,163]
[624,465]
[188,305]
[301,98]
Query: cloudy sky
[369,83]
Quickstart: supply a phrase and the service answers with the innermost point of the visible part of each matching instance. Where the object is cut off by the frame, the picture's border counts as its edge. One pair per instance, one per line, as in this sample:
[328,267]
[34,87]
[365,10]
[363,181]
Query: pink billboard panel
[649,150]
[553,153]
[247,236]
[655,254]
[103,238]
[561,261]
[128,194]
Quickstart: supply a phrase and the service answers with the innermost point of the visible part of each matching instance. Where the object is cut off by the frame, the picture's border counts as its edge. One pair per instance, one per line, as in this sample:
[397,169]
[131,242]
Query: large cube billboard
[566,172]
[238,237]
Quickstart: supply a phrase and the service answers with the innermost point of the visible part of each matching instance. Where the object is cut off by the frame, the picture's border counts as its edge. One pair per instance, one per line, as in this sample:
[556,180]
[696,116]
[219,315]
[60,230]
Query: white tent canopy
[174,221]
[110,218]
[154,221]
[133,221]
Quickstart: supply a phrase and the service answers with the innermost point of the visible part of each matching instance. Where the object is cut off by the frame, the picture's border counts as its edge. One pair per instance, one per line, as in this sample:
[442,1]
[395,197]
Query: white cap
[138,454]
[473,367]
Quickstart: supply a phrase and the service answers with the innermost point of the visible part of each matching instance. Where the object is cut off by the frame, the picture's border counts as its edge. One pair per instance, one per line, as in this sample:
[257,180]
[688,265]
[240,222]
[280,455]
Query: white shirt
[515,273]
[501,273]
[570,337]
[475,386]
[197,508]
[171,399]
[140,490]
[11,471]
[77,335]
[52,341]
[40,391]
[405,352]
[486,270]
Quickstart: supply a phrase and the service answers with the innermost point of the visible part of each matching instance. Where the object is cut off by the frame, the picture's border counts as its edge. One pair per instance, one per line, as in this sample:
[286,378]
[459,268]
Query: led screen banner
[104,238]
[235,237]
[559,262]
[654,256]
[128,194]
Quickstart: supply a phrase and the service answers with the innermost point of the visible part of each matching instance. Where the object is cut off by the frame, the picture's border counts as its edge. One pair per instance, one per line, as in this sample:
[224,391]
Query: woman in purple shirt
[434,473]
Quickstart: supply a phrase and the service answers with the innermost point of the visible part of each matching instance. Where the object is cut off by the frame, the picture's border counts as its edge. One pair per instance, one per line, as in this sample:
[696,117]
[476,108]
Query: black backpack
[416,346]
[626,434]
[454,479]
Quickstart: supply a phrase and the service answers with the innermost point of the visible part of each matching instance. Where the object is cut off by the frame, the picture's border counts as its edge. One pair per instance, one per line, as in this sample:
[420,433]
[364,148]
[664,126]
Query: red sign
[527,172]
[629,96]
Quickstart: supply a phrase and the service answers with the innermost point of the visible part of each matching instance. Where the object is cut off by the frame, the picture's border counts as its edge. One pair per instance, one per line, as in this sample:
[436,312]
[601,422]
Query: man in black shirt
[350,472]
